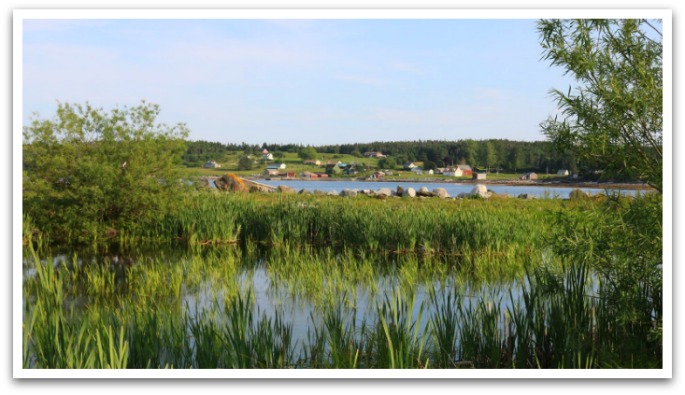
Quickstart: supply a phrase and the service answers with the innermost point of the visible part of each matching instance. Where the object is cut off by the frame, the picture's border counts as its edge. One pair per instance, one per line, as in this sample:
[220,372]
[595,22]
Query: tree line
[492,155]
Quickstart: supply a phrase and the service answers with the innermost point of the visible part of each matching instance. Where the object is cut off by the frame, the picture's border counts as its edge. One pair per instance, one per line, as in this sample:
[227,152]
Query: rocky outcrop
[304,192]
[526,196]
[231,183]
[332,193]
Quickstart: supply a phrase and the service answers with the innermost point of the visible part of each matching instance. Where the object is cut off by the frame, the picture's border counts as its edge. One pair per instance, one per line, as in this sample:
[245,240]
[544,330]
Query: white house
[276,166]
[563,173]
[457,172]
[267,156]
[409,165]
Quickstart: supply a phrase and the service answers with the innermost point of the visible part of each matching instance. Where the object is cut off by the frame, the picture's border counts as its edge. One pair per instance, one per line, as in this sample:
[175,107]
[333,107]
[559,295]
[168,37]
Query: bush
[87,169]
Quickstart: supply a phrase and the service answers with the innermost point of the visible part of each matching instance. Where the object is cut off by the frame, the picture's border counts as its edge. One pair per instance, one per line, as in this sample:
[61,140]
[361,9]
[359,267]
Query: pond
[312,295]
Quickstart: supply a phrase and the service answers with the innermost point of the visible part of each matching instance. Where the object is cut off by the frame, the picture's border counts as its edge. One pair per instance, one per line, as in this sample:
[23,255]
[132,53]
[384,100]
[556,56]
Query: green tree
[613,120]
[308,153]
[88,169]
[387,163]
[245,163]
[488,155]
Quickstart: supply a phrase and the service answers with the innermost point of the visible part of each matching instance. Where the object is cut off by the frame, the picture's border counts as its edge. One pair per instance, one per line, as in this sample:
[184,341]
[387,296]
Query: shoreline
[546,184]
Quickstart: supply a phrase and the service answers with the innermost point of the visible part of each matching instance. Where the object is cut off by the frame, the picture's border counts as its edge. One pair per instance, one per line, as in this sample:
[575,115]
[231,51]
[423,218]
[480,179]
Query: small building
[267,156]
[276,166]
[378,175]
[312,162]
[271,172]
[373,154]
[529,176]
[211,165]
[479,176]
[465,170]
[417,170]
[409,165]
[563,173]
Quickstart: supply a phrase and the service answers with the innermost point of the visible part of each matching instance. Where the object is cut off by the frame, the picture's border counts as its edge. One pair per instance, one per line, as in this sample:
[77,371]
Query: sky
[303,81]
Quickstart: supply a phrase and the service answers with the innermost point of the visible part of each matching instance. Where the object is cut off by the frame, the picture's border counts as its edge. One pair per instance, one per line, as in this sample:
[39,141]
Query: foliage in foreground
[88,172]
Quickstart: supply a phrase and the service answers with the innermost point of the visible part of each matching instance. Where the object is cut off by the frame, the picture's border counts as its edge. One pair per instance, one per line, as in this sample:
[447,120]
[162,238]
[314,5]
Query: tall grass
[364,267]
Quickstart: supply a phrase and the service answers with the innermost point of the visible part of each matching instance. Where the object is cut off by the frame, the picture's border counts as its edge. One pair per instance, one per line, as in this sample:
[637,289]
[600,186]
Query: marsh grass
[391,284]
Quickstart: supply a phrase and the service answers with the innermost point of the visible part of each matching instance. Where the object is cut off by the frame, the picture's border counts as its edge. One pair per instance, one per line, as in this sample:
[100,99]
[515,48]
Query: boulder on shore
[384,191]
[577,194]
[424,192]
[441,193]
[409,192]
[480,190]
[348,193]
[526,196]
[231,183]
[285,189]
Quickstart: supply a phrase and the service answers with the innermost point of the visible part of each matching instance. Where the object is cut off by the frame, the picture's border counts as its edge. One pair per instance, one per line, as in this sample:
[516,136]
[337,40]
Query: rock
[349,193]
[526,196]
[480,190]
[400,191]
[318,192]
[366,192]
[304,192]
[409,192]
[231,183]
[285,189]
[332,193]
[384,191]
[258,189]
[441,193]
[577,194]
[424,192]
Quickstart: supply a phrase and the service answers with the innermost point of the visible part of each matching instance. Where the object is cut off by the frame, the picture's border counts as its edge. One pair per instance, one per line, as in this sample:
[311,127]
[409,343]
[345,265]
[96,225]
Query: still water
[453,189]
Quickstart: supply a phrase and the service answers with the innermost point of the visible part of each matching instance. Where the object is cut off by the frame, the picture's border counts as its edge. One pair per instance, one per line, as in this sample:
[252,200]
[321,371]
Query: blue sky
[301,81]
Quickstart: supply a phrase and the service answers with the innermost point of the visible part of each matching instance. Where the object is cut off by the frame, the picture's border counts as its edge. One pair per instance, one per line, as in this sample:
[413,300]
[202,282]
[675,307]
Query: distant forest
[493,154]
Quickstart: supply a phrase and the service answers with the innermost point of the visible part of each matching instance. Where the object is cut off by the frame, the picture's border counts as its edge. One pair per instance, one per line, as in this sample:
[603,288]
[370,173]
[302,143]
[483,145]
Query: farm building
[409,166]
[465,170]
[562,173]
[479,176]
[270,172]
[211,165]
[529,176]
